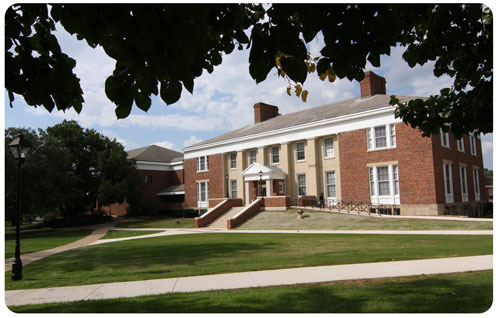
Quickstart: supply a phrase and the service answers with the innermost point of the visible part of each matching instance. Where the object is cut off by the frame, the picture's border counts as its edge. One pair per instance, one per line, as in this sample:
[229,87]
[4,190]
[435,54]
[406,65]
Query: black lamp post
[227,186]
[20,147]
[260,183]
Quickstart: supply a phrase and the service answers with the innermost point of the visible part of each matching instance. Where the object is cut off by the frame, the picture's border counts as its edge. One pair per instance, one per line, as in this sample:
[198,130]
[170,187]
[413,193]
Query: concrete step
[221,221]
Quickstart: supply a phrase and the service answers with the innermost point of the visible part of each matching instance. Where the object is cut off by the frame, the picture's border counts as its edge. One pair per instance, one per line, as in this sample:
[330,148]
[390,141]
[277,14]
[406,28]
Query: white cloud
[487,147]
[165,144]
[191,141]
[127,144]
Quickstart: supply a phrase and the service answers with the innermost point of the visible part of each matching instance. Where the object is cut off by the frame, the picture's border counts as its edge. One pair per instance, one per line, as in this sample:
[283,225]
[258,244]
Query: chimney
[372,84]
[264,112]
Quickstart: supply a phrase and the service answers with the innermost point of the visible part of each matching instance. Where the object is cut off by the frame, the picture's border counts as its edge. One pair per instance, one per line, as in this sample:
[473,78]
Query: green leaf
[143,101]
[170,91]
[122,111]
[295,68]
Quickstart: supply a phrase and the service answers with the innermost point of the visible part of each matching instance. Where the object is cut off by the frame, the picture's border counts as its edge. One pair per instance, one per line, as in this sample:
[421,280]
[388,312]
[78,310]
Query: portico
[263,181]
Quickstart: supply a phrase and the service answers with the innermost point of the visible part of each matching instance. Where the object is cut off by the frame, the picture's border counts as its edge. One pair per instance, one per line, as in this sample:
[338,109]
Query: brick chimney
[264,112]
[372,84]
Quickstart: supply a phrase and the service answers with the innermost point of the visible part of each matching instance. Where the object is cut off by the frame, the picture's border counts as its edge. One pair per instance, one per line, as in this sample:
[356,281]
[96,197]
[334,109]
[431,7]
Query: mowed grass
[39,240]
[114,234]
[317,220]
[203,254]
[448,293]
[163,222]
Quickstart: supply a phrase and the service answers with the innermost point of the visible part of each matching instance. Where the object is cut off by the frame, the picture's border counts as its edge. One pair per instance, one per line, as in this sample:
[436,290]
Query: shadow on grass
[453,293]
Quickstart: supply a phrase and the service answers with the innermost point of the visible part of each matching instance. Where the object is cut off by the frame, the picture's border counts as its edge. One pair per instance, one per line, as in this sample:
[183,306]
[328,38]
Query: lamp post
[20,147]
[260,183]
[227,186]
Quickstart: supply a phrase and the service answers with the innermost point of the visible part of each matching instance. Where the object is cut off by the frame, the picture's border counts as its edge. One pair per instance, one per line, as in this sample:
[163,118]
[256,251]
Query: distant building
[489,187]
[354,150]
[162,175]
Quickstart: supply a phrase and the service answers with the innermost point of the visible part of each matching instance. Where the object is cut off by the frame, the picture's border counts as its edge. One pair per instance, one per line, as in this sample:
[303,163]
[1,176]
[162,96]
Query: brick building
[162,174]
[349,151]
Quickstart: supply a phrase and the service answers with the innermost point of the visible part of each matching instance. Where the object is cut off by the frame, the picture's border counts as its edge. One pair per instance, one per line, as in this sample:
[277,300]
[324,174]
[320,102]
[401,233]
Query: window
[148,179]
[202,163]
[275,154]
[253,156]
[331,189]
[372,181]
[329,153]
[383,181]
[460,144]
[475,175]
[392,128]
[301,180]
[301,155]
[473,149]
[381,137]
[369,140]
[234,189]
[448,182]
[202,193]
[463,183]
[445,138]
[233,161]
[395,179]
[384,184]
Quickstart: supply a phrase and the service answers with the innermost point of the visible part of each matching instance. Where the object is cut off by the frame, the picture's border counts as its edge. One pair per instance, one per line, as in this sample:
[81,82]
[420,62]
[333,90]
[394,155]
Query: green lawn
[164,222]
[39,240]
[450,293]
[316,220]
[113,234]
[203,254]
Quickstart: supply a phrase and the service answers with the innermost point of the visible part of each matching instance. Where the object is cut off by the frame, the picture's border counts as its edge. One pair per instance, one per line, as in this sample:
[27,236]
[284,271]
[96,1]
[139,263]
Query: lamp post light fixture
[20,147]
[260,183]
[227,186]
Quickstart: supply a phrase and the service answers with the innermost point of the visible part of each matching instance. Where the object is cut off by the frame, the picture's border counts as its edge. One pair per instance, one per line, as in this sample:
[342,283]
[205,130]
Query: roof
[155,153]
[173,189]
[310,115]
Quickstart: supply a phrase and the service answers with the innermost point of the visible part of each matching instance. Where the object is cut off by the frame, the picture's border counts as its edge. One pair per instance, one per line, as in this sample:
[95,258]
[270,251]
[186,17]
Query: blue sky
[221,101]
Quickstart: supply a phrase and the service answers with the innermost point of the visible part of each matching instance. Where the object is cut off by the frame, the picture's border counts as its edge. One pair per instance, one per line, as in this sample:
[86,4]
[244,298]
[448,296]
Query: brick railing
[245,214]
[276,202]
[218,210]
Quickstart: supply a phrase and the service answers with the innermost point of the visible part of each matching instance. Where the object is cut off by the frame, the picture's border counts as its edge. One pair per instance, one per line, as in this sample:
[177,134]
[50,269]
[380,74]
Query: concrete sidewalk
[304,275]
[100,231]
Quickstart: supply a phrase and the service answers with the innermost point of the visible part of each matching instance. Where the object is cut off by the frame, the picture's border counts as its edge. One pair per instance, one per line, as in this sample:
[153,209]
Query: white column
[268,187]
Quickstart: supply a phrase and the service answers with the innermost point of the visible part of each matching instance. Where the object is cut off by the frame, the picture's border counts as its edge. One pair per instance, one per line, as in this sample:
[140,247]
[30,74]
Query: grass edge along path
[470,292]
[205,254]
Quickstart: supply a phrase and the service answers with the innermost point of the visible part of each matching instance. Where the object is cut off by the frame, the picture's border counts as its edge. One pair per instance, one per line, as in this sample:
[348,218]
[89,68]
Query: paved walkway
[100,231]
[292,276]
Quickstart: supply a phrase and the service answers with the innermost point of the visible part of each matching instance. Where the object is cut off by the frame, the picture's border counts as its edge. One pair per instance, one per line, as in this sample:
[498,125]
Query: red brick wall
[456,157]
[214,175]
[161,180]
[279,201]
[415,165]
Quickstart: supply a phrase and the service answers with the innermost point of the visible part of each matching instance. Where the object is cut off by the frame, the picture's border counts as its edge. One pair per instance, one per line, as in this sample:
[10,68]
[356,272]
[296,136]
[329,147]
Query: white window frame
[463,183]
[389,137]
[202,196]
[275,155]
[460,145]
[333,184]
[393,182]
[232,161]
[329,149]
[445,138]
[473,145]
[299,186]
[234,188]
[448,182]
[302,151]
[477,189]
[253,156]
[202,164]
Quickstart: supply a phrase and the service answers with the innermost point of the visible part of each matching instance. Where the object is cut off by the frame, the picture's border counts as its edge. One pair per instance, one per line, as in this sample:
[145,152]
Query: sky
[221,101]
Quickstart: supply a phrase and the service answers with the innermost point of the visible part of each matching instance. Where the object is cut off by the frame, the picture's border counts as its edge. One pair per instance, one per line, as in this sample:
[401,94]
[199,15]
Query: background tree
[161,48]
[68,171]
